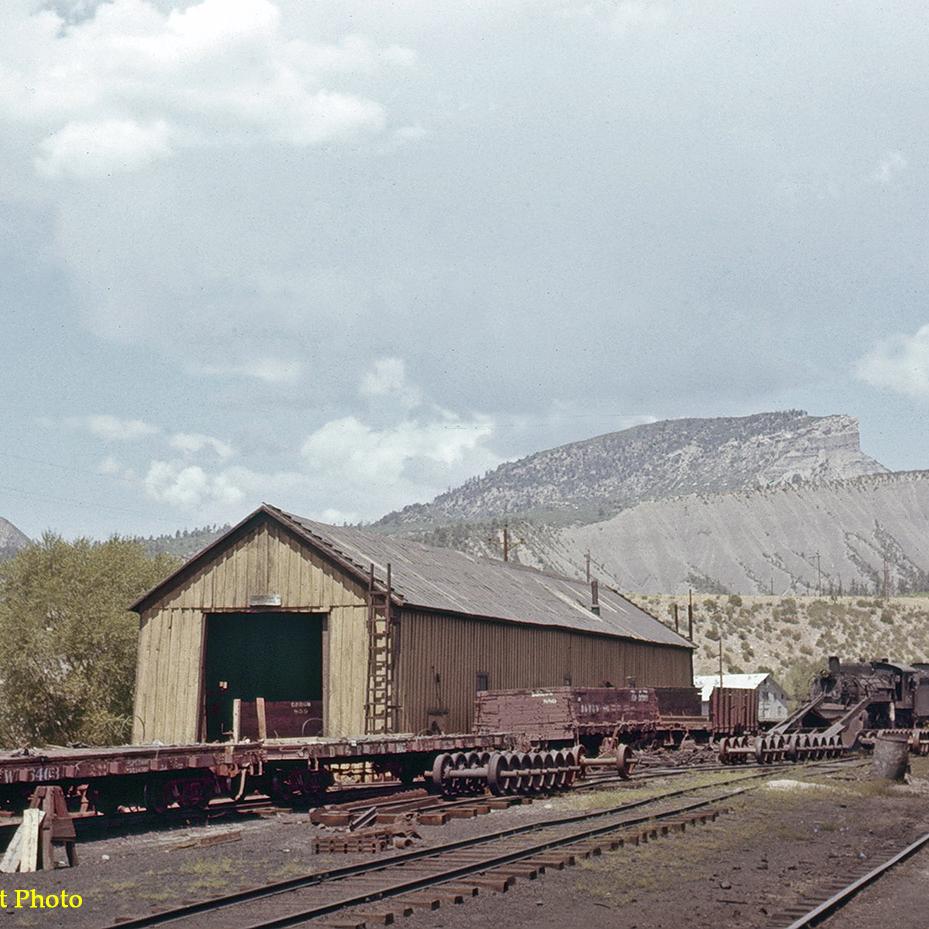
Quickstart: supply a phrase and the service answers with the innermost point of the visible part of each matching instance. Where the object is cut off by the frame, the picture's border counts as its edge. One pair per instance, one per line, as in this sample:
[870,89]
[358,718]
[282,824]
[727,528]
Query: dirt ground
[776,844]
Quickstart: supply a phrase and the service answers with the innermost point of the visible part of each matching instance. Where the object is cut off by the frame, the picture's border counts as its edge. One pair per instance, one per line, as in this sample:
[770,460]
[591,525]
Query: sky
[341,256]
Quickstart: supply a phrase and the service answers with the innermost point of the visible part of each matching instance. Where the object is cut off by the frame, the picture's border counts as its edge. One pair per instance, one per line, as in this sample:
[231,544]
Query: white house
[772,699]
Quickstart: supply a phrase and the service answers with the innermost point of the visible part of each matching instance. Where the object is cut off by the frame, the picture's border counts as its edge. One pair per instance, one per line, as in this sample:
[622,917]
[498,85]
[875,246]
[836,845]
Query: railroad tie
[427,900]
[462,812]
[555,862]
[487,881]
[432,819]
[386,917]
[520,869]
[465,889]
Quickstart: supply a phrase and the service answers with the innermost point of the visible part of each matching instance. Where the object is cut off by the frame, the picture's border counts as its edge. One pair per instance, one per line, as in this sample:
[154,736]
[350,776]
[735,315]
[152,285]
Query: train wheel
[537,778]
[624,761]
[723,753]
[548,766]
[560,772]
[571,758]
[496,767]
[440,769]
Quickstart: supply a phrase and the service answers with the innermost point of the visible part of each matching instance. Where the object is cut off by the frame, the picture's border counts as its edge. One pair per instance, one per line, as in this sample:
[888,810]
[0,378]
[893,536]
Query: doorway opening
[275,656]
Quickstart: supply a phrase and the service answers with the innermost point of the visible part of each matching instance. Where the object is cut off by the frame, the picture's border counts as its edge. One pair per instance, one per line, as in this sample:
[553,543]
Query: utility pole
[587,563]
[720,634]
[690,614]
[886,579]
[506,542]
[677,627]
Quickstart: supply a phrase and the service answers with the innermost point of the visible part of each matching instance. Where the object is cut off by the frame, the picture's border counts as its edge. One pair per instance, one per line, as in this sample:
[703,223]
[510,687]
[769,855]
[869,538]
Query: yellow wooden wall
[515,655]
[267,560]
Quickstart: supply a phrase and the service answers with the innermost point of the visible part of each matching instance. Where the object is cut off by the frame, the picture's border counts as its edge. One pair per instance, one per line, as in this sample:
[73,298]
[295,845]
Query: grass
[209,874]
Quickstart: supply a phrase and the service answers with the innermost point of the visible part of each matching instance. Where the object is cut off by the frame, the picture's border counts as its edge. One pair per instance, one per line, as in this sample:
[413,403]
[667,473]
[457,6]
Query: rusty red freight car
[586,715]
[733,710]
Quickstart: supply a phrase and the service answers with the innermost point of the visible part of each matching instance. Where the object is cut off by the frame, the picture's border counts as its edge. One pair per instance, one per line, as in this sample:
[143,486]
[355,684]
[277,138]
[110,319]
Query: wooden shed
[377,634]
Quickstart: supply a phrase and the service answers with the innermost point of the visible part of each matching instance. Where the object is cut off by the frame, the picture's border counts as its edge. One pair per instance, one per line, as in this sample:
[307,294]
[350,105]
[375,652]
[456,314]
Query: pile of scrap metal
[851,703]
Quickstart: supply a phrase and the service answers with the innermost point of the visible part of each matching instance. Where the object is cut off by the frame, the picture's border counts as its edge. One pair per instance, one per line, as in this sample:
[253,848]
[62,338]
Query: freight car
[523,740]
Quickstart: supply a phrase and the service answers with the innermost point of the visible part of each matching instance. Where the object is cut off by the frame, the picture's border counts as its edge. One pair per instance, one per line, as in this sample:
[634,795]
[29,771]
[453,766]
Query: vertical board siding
[266,560]
[515,656]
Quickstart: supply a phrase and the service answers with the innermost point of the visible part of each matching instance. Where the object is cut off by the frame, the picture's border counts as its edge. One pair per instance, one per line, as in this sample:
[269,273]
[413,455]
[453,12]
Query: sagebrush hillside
[793,636]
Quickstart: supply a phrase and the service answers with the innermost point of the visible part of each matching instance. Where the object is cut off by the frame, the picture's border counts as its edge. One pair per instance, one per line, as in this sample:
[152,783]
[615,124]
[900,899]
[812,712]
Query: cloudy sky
[340,256]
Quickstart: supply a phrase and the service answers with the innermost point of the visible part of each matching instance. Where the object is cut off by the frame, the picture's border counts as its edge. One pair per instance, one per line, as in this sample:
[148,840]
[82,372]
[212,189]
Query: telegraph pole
[720,634]
[587,563]
[506,542]
[690,614]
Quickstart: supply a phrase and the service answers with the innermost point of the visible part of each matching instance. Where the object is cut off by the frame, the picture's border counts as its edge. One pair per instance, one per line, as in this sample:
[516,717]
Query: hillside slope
[793,635]
[593,479]
[766,540]
[11,539]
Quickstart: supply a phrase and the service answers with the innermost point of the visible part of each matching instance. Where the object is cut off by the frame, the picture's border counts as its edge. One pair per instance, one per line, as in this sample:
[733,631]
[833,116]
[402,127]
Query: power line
[82,503]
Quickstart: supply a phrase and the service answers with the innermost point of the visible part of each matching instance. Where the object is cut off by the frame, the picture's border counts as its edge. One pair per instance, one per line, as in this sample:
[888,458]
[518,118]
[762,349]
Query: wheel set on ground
[777,747]
[464,773]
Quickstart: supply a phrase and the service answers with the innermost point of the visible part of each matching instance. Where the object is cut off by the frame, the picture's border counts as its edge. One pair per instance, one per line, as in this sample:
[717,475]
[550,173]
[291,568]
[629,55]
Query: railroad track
[452,870]
[805,915]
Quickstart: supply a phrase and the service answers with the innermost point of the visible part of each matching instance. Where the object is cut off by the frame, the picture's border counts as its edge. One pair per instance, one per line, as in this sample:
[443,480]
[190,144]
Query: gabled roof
[706,682]
[449,581]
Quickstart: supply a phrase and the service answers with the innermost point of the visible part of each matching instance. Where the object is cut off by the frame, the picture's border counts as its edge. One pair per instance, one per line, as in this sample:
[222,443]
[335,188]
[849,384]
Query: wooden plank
[10,861]
[29,852]
[237,720]
[262,718]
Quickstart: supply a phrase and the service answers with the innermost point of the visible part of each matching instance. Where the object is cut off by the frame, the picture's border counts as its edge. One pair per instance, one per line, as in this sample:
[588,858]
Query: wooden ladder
[380,710]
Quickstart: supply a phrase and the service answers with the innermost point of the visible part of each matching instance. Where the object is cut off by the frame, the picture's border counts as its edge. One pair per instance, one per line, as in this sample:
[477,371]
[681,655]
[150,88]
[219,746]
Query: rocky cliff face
[11,539]
[594,479]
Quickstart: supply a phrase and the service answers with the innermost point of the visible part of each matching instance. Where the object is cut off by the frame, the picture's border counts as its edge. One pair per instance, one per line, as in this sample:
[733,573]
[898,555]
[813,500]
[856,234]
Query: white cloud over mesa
[347,469]
[131,85]
[899,363]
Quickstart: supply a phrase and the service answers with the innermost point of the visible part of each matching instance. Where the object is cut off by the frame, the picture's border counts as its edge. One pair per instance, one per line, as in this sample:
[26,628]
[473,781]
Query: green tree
[67,640]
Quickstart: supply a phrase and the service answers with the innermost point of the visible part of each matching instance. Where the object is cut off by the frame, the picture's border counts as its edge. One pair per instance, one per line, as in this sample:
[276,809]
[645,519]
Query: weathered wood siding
[514,655]
[265,560]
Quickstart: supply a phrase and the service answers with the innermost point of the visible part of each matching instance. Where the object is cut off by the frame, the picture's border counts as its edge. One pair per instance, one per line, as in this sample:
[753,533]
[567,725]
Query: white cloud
[85,149]
[130,84]
[192,442]
[900,364]
[891,164]
[189,487]
[348,469]
[112,428]
[267,369]
[387,378]
[362,453]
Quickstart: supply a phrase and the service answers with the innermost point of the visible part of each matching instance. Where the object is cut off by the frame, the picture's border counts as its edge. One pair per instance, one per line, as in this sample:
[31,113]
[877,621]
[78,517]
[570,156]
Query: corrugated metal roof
[706,682]
[452,581]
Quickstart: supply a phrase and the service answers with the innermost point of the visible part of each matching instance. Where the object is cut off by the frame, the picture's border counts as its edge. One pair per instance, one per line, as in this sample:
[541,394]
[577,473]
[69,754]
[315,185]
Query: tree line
[68,642]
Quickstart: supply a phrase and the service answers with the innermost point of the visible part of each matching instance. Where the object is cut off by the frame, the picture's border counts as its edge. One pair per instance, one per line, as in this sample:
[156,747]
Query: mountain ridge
[593,479]
[12,539]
